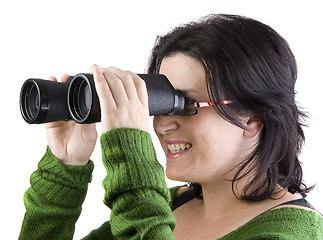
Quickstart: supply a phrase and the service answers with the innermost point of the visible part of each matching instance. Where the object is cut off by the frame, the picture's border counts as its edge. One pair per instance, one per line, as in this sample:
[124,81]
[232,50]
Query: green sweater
[137,194]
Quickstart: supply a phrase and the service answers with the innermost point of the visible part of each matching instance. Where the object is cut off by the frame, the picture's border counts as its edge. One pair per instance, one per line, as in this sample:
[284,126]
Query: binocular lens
[80,97]
[87,98]
[31,100]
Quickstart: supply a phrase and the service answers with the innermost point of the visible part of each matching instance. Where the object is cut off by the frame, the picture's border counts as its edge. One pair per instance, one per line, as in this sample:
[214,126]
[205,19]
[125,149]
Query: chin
[176,175]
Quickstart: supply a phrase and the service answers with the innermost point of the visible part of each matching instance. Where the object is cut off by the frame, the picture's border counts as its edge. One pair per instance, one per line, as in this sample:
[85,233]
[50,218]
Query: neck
[220,201]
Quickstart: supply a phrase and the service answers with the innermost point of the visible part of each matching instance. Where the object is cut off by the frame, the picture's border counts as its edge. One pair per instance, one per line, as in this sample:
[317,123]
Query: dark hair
[250,63]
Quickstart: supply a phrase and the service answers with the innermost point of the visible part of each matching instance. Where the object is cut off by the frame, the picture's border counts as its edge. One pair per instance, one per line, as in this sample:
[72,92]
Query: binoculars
[44,101]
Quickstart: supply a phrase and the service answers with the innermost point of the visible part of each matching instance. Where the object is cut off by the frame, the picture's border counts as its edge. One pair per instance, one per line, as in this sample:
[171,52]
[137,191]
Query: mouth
[178,147]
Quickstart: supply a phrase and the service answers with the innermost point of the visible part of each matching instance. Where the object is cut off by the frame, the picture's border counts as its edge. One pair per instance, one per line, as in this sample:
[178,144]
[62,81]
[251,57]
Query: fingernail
[98,69]
[95,68]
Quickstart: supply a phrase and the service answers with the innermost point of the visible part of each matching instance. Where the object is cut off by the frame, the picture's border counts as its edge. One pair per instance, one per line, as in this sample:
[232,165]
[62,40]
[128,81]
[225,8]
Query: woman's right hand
[70,142]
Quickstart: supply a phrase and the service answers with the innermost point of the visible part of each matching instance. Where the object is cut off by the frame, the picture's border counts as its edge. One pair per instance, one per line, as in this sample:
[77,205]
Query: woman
[237,144]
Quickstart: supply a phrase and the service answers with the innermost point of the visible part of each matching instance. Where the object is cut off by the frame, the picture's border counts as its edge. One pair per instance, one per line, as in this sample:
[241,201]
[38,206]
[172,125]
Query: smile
[176,148]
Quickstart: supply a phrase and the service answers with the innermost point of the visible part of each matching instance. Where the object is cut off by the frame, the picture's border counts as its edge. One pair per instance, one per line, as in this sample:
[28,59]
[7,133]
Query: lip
[170,155]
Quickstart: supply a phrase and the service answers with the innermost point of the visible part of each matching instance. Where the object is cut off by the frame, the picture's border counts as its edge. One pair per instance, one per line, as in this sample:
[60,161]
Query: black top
[183,198]
[190,194]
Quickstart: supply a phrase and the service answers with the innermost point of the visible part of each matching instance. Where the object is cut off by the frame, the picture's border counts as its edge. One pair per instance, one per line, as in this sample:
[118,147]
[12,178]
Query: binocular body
[44,101]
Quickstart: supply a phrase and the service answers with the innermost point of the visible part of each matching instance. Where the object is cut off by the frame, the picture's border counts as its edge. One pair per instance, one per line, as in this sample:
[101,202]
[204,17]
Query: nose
[165,124]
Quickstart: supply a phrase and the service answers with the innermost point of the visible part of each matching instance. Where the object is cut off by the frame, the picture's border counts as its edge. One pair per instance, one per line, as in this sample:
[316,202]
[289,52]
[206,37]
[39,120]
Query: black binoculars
[44,101]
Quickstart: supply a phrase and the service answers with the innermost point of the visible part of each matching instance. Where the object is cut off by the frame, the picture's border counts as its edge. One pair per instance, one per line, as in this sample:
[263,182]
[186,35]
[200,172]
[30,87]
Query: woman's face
[203,147]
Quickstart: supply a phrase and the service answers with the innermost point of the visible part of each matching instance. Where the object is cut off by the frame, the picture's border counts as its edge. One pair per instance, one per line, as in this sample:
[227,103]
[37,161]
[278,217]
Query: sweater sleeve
[135,187]
[53,202]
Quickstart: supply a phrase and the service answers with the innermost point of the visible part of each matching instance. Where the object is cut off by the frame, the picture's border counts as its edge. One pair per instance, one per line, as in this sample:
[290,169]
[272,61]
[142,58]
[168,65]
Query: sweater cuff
[130,160]
[61,185]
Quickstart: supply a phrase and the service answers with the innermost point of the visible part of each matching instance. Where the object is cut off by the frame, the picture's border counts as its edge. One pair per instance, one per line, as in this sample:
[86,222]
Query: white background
[43,38]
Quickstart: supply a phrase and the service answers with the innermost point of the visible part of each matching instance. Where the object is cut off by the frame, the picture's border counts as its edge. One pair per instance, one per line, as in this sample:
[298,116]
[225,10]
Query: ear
[253,126]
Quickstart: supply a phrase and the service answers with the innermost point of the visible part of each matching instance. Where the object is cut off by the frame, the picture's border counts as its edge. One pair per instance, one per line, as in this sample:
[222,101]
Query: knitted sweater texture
[136,192]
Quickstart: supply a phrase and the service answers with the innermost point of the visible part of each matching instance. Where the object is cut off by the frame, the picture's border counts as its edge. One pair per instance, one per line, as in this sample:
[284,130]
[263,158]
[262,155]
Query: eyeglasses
[191,106]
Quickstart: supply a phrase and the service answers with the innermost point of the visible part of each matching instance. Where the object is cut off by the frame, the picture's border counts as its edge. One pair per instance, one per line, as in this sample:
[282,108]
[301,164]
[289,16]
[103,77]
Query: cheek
[221,146]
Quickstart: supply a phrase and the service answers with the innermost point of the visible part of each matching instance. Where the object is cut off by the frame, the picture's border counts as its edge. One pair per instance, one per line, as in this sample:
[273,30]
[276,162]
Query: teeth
[175,148]
[182,146]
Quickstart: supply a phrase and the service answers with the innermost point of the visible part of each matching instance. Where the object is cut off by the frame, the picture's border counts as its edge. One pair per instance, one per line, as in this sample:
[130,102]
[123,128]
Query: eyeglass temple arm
[206,104]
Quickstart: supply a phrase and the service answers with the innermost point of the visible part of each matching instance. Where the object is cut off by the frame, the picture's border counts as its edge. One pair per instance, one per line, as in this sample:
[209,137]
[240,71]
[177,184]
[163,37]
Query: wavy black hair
[250,63]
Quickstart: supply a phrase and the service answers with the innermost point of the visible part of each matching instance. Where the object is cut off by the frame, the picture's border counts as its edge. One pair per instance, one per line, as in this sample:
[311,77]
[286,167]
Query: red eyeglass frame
[198,105]
[207,104]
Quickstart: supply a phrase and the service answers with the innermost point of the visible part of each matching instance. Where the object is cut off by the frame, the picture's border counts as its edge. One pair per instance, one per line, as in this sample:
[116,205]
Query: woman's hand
[70,142]
[123,99]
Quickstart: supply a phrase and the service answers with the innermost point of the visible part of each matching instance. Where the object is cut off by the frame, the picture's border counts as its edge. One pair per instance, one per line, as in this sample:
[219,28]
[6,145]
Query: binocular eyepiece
[44,101]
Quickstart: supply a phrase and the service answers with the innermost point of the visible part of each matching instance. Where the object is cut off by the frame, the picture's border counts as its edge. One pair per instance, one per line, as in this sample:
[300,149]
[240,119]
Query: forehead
[185,73]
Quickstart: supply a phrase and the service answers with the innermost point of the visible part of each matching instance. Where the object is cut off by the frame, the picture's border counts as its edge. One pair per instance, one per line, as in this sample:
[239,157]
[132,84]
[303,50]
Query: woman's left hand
[123,99]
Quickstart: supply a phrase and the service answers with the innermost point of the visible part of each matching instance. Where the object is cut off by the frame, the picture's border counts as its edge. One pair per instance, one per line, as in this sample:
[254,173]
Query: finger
[127,82]
[52,78]
[116,87]
[141,88]
[64,77]
[102,88]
